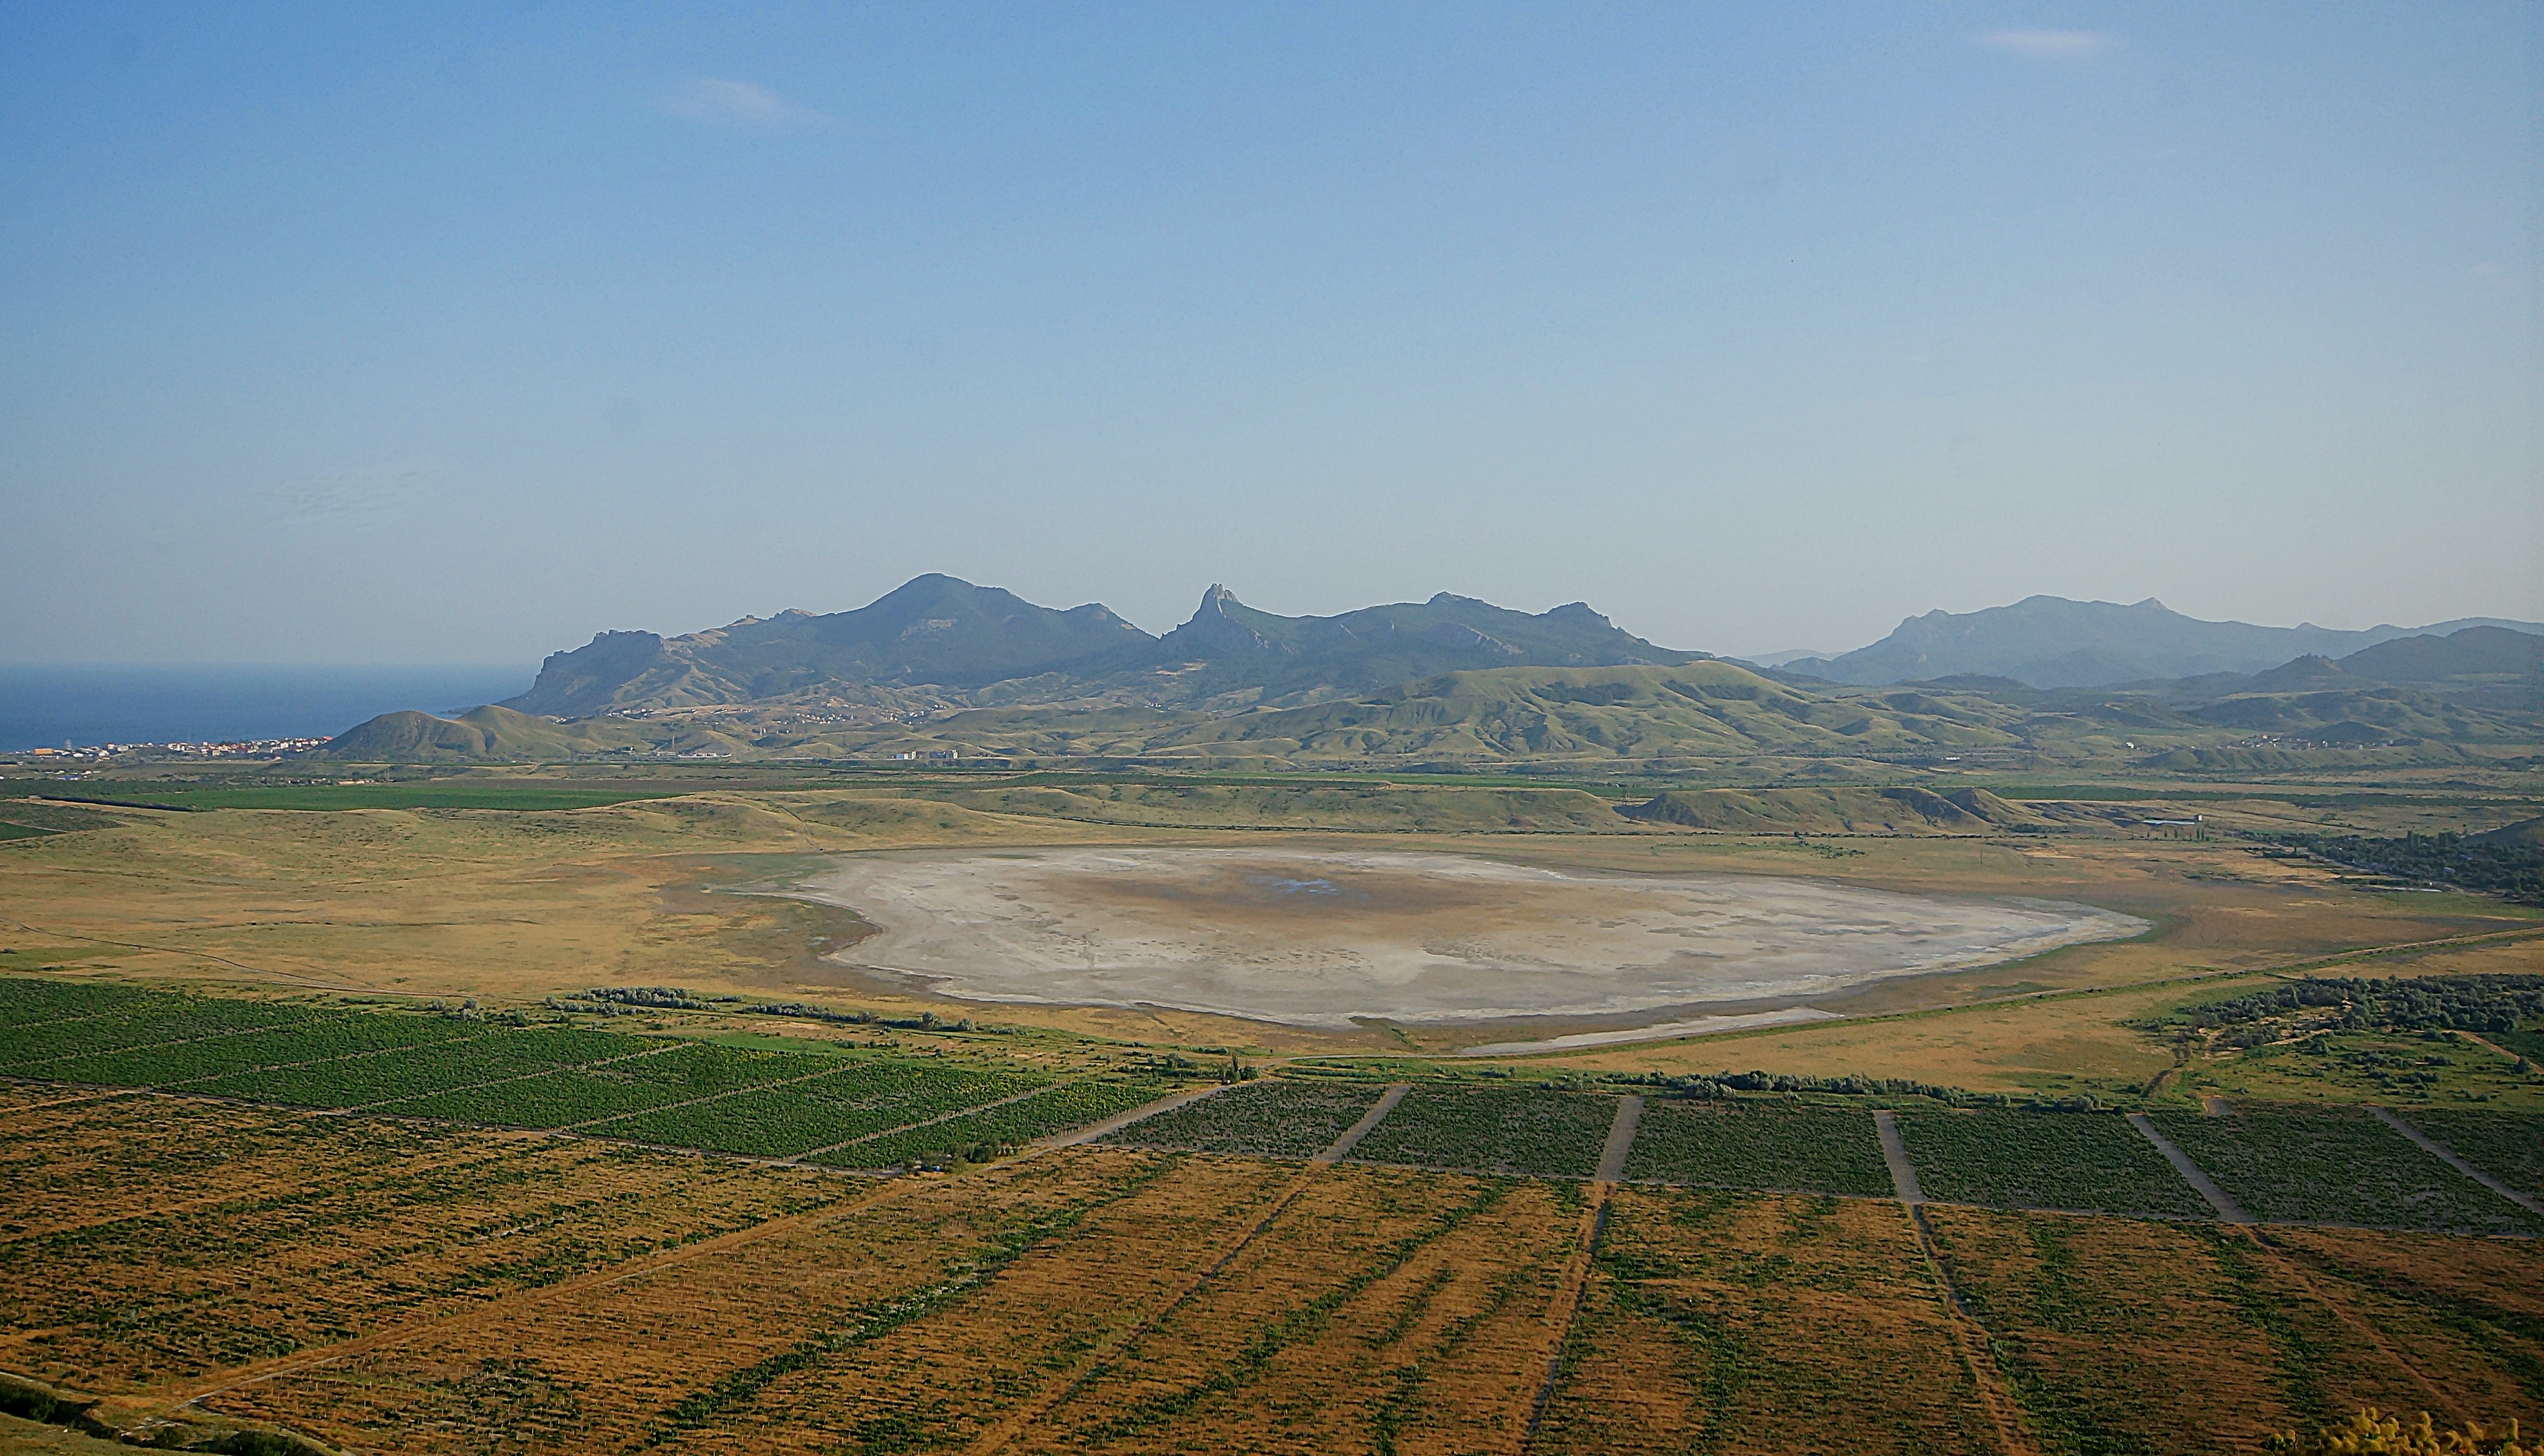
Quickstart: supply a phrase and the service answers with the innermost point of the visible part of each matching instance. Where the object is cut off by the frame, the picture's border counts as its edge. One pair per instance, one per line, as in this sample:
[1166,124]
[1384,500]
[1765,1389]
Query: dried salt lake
[1317,938]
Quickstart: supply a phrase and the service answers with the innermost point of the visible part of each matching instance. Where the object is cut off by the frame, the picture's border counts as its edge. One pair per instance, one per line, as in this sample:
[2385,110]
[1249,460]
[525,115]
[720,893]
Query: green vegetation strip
[2089,1161]
[992,1132]
[1520,1131]
[873,1097]
[2510,1147]
[752,1100]
[2303,1165]
[328,797]
[1271,1118]
[1801,1149]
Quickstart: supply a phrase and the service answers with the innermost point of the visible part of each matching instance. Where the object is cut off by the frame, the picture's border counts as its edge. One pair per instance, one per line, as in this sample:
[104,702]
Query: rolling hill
[1230,648]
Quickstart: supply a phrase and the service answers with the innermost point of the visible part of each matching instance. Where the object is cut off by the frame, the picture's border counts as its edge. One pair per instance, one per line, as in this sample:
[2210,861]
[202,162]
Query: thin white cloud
[2048,44]
[736,104]
[357,500]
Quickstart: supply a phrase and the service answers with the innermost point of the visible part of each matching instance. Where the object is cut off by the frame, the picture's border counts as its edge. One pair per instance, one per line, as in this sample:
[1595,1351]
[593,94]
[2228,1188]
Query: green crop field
[1802,1149]
[2325,1166]
[322,797]
[755,1100]
[2510,1147]
[1270,1119]
[854,1102]
[50,1048]
[2085,1162]
[1012,1124]
[27,1002]
[571,1096]
[1523,1130]
[396,1077]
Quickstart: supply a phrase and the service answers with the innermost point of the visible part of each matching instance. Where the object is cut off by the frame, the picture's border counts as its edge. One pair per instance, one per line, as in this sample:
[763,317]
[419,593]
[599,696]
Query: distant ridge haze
[953,643]
[2049,641]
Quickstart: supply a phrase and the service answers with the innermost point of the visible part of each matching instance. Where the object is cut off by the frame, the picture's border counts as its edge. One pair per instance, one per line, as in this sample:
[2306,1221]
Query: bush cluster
[925,1020]
[2509,870]
[2462,1003]
[1722,1086]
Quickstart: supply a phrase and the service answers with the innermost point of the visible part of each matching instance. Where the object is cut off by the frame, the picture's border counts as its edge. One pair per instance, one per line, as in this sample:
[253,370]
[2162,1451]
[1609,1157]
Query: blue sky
[456,333]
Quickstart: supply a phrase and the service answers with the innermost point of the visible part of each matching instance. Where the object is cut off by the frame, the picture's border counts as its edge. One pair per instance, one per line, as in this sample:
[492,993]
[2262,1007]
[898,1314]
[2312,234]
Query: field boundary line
[508,1306]
[1366,1124]
[141,1047]
[1032,1412]
[1574,1285]
[63,1102]
[2228,1210]
[1894,1155]
[304,1191]
[2485,1043]
[2448,1156]
[345,1056]
[1978,1347]
[885,1133]
[670,1107]
[607,1061]
[1106,1126]
[2365,1329]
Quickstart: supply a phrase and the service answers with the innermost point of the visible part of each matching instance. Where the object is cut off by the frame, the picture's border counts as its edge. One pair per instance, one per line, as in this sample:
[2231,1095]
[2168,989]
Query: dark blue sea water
[43,706]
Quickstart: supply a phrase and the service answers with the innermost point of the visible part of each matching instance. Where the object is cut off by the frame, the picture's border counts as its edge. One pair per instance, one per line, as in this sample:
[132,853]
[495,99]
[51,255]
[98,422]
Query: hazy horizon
[529,665]
[454,335]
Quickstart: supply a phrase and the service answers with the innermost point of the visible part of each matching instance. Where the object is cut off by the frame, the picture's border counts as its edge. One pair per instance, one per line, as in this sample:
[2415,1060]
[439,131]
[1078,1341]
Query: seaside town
[99,752]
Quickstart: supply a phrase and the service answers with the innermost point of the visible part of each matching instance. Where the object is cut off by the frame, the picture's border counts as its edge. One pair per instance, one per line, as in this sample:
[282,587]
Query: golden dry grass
[2125,1335]
[386,1286]
[1764,1324]
[510,907]
[152,1239]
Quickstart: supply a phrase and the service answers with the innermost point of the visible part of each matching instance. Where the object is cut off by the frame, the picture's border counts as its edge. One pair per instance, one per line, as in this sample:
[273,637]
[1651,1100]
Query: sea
[55,706]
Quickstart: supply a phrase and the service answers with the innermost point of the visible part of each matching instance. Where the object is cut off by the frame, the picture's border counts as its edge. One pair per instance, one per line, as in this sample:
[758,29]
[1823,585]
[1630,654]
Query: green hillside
[1836,812]
[481,735]
[1703,709]
[1229,647]
[1424,807]
[1550,719]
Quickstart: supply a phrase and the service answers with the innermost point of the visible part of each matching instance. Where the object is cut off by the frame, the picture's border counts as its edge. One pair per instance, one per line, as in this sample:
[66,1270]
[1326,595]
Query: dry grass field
[510,907]
[2121,1335]
[387,1286]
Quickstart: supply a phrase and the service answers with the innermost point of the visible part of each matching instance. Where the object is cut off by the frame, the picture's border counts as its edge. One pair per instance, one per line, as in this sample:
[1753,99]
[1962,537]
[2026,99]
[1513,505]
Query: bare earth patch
[1317,938]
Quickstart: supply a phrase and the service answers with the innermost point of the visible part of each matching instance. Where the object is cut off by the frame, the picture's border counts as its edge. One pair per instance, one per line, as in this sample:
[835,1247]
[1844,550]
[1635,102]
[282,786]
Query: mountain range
[2049,641]
[981,645]
[942,668]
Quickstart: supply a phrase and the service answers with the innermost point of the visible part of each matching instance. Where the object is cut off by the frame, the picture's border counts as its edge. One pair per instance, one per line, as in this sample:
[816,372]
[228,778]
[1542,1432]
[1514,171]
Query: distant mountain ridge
[934,629]
[988,645]
[2050,641]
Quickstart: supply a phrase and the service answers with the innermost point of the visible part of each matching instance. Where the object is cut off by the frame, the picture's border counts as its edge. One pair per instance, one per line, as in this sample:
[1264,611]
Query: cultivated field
[1520,1131]
[1271,1118]
[2084,1162]
[1807,1149]
[2304,1165]
[587,1214]
[402,1285]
